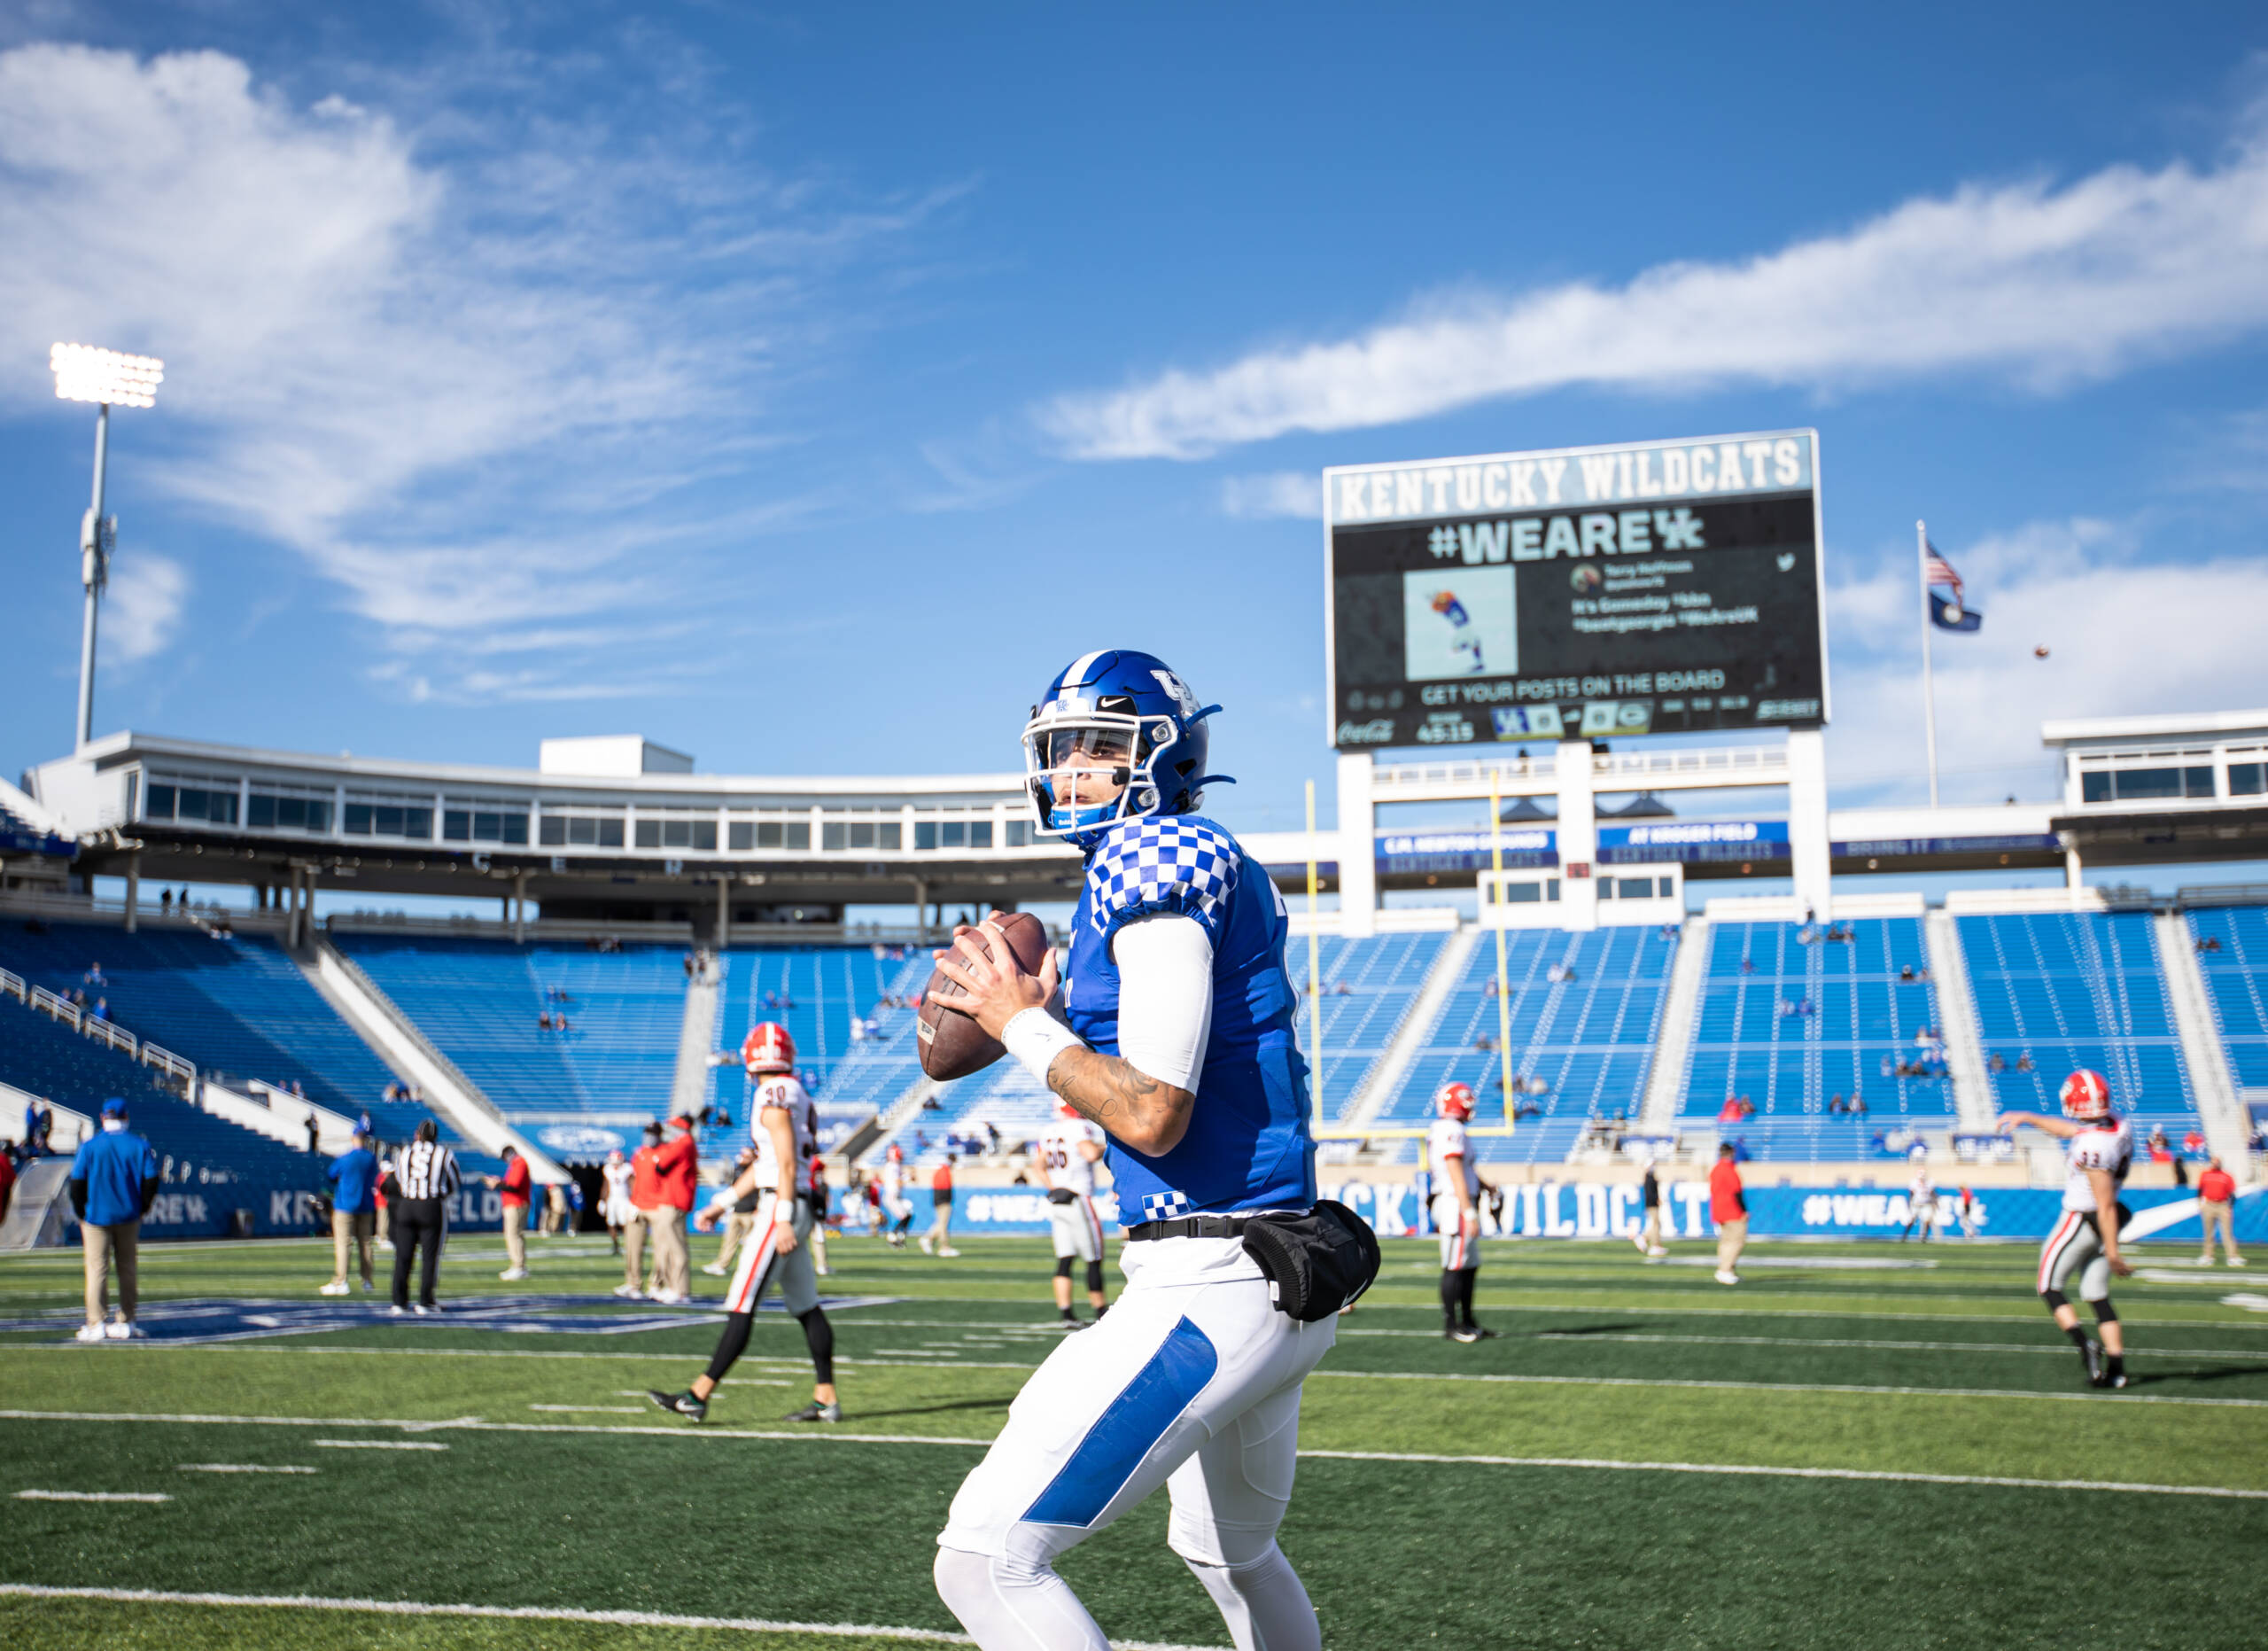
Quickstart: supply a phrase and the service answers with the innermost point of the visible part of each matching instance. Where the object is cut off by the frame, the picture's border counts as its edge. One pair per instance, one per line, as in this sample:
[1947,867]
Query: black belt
[1190,1226]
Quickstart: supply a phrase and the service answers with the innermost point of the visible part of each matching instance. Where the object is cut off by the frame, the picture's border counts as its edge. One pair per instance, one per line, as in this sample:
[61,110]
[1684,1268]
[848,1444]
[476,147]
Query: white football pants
[1191,1382]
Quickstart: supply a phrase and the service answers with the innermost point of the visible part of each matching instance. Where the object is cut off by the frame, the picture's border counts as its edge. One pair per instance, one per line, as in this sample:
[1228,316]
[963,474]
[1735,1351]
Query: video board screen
[1655,588]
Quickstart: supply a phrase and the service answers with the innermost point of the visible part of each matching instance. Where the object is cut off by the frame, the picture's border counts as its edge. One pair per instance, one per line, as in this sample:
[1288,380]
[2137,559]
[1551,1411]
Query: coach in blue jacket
[354,1209]
[113,1181]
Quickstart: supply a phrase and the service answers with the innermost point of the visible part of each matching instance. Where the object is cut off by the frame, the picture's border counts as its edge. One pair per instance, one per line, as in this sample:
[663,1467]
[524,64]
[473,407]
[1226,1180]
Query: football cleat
[680,1404]
[1467,1333]
[2086,1096]
[815,1411]
[2091,1356]
[1726,1275]
[714,1271]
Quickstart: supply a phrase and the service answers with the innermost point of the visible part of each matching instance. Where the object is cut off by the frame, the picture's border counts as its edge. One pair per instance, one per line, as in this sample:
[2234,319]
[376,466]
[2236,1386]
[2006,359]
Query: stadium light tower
[85,373]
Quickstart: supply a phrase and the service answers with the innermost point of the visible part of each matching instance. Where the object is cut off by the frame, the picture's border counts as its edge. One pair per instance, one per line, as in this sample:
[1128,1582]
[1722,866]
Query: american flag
[1937,571]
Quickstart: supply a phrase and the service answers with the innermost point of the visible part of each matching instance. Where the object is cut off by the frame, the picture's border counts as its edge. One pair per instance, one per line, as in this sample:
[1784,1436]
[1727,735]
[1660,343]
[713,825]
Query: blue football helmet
[1117,722]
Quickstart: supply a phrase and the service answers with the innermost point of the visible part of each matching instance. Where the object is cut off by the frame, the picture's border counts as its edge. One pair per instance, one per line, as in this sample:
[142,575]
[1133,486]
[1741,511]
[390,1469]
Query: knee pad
[1062,1266]
[1094,1276]
[2055,1299]
[2104,1313]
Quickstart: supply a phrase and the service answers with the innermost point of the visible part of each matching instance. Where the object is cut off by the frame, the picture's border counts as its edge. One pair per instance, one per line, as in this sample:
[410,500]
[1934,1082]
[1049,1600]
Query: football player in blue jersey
[1173,1030]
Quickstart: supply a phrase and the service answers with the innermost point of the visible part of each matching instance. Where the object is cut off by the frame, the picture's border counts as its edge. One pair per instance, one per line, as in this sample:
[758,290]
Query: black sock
[731,1344]
[2079,1339]
[1449,1295]
[2113,1363]
[1069,1315]
[1466,1280]
[818,1336]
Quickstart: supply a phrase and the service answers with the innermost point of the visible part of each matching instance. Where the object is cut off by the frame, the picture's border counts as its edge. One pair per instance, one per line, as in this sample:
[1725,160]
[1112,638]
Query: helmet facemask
[1087,769]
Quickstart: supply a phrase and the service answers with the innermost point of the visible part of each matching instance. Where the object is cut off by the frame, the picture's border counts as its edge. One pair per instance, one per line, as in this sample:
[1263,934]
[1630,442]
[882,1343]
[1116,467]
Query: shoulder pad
[1172,863]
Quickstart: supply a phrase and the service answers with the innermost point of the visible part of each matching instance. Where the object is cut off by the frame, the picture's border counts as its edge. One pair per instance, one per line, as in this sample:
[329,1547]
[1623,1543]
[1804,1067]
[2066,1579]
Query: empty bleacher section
[481,1002]
[2060,990]
[232,1004]
[829,987]
[2231,944]
[46,1057]
[1586,1037]
[1367,987]
[1791,1020]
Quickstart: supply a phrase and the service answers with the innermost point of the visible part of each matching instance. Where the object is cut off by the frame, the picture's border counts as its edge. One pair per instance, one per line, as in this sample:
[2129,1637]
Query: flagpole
[1928,684]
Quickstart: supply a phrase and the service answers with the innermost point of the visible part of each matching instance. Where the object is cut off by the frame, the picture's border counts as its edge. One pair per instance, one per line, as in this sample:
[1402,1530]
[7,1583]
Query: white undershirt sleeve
[1165,997]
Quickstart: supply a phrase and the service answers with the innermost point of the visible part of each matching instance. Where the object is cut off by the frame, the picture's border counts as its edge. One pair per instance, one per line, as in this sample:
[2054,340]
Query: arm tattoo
[1120,1096]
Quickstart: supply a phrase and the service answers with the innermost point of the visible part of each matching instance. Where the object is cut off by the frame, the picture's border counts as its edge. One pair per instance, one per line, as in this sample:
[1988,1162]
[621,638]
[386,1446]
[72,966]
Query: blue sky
[802,389]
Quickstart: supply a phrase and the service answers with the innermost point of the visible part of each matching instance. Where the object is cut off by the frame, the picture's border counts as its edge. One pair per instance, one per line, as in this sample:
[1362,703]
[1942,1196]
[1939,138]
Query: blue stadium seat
[1589,1038]
[2061,990]
[234,1004]
[47,1058]
[1857,1021]
[2236,980]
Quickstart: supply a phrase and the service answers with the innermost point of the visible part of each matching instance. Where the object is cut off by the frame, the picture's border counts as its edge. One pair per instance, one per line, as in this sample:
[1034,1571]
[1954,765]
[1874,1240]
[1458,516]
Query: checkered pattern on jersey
[1165,1206]
[1165,864]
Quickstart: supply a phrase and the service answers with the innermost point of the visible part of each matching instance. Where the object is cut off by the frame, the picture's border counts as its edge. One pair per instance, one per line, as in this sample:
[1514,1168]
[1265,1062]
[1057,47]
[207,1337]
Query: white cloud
[2126,635]
[141,609]
[2043,285]
[460,359]
[1274,493]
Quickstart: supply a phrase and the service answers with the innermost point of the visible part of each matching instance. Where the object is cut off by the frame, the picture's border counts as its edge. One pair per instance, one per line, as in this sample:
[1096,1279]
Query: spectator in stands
[2192,1143]
[354,1177]
[7,1179]
[165,902]
[677,1166]
[1996,1062]
[1748,965]
[2215,1209]
[94,975]
[1728,1209]
[938,1239]
[315,1135]
[1858,1106]
[39,1124]
[992,1137]
[514,1184]
[645,1200]
[113,1181]
[2024,1062]
[1835,1104]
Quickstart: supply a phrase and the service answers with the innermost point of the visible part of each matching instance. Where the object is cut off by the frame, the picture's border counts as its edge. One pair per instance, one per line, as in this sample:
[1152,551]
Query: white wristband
[1036,1038]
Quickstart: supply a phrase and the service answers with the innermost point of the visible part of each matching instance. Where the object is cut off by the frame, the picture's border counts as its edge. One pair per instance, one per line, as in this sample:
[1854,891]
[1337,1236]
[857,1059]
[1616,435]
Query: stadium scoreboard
[1653,588]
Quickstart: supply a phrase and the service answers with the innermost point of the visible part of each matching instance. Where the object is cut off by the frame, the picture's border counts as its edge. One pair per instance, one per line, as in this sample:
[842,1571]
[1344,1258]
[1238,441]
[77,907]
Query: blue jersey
[1248,1147]
[115,1164]
[356,1174]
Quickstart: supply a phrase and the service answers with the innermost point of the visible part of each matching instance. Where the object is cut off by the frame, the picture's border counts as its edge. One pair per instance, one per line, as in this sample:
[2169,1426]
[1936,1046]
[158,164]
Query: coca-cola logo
[1377,731]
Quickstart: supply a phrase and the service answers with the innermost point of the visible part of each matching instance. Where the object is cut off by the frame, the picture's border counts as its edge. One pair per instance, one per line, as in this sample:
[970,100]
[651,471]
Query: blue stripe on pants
[1124,1433]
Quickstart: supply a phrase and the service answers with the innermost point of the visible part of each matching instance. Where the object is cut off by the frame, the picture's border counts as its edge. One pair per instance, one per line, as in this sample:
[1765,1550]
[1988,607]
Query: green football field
[1860,1446]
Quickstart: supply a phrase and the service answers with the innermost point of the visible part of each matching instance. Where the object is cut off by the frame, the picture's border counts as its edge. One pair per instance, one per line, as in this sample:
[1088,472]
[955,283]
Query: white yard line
[834,1436]
[380,1445]
[238,1467]
[591,1410]
[91,1496]
[1785,1387]
[2061,1350]
[528,1613]
[1795,1473]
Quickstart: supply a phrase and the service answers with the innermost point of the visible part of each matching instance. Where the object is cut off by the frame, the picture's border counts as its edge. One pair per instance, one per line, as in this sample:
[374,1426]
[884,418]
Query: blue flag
[1951,616]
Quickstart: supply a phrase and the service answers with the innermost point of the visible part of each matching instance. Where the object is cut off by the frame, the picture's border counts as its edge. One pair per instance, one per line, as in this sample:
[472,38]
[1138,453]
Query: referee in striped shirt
[424,1177]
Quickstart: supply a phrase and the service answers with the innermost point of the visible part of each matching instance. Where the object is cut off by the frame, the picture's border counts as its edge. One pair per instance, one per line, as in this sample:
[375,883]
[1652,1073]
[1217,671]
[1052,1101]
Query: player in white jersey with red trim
[896,1208]
[782,1131]
[2099,1148]
[1457,1210]
[1069,1148]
